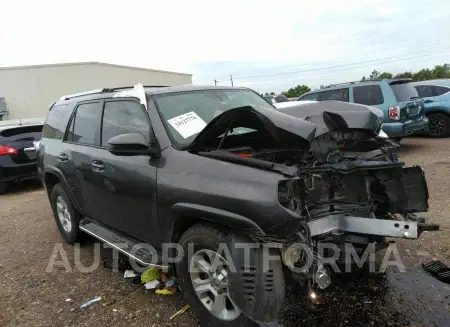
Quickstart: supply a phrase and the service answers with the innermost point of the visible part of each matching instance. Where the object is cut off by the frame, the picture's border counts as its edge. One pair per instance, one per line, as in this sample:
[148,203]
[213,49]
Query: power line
[390,59]
[414,45]
[423,45]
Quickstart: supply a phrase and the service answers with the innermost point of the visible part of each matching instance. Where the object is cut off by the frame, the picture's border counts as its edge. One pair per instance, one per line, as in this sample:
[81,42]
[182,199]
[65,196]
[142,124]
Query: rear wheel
[66,217]
[438,125]
[3,188]
[203,275]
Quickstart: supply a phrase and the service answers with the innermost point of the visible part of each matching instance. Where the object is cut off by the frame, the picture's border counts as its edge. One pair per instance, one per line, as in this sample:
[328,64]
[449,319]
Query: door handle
[97,166]
[62,157]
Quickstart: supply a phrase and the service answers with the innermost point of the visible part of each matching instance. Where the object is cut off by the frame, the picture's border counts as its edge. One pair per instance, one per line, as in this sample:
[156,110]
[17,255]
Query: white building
[28,91]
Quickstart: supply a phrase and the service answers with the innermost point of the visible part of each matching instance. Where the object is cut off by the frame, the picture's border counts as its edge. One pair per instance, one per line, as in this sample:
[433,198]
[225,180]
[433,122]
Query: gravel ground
[31,297]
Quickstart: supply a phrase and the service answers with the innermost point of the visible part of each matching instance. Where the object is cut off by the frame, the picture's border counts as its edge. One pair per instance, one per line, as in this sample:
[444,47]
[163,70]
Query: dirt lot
[31,297]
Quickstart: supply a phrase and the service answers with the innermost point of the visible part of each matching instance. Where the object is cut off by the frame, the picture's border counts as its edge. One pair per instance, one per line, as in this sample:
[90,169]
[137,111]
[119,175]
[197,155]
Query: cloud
[244,38]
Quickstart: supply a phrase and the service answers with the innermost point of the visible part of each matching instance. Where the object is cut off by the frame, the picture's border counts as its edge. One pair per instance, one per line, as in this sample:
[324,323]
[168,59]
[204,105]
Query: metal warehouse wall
[29,91]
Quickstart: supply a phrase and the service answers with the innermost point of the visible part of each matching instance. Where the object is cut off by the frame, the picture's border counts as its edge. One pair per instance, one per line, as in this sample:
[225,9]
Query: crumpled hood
[330,115]
[282,127]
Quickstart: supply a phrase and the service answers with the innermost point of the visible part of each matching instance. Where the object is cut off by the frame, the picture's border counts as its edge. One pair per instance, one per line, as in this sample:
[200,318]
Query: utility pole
[231,77]
[215,82]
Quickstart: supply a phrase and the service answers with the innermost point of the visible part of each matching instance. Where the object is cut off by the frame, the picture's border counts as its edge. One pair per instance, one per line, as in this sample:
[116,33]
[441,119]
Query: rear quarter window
[56,123]
[439,90]
[404,91]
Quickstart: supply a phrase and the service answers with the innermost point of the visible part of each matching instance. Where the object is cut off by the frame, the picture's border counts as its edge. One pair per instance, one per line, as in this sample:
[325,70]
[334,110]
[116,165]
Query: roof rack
[105,90]
[353,82]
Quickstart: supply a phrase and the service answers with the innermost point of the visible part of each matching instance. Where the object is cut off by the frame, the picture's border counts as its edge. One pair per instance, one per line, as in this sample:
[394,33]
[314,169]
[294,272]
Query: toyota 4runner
[247,192]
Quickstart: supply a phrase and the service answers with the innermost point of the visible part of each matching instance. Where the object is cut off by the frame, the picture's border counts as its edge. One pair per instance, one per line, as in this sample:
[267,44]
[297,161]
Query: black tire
[206,237]
[74,234]
[438,125]
[3,188]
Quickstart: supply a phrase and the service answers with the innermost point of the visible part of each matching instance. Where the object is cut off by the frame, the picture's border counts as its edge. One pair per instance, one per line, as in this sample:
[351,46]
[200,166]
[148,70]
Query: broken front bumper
[368,226]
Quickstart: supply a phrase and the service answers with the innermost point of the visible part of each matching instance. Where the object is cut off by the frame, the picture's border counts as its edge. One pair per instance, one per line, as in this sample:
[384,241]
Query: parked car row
[408,107]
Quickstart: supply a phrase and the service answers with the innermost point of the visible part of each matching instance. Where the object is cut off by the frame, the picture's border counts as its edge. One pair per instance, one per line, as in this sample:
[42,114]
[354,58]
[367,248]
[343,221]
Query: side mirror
[129,144]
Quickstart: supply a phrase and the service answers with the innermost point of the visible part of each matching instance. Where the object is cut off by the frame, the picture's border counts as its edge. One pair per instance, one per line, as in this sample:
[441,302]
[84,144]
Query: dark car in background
[436,98]
[18,150]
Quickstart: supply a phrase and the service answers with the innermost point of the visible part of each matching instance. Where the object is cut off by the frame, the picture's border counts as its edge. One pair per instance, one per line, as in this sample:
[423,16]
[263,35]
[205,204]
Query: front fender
[218,216]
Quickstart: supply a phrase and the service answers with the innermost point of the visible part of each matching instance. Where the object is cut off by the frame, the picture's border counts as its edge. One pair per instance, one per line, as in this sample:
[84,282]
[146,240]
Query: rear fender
[58,174]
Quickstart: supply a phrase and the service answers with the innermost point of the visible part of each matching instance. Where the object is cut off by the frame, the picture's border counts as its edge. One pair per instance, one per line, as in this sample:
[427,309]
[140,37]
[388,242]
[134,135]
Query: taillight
[6,150]
[394,113]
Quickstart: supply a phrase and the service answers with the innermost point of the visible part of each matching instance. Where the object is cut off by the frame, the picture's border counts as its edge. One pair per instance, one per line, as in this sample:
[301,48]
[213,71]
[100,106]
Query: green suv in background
[399,100]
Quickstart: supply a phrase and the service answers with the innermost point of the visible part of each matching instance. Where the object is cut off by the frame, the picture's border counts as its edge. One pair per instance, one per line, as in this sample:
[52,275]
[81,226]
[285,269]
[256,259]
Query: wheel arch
[53,176]
[189,214]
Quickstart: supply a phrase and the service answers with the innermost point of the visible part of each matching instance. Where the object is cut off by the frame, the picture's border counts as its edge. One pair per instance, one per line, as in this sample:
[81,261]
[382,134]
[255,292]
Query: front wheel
[203,276]
[438,125]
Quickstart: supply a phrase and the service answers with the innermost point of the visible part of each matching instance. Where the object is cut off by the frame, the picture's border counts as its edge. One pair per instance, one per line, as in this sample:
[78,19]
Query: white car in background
[374,110]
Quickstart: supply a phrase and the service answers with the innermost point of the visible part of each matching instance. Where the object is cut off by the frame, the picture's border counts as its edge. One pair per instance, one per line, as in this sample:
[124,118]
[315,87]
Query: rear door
[81,143]
[408,100]
[21,139]
[336,94]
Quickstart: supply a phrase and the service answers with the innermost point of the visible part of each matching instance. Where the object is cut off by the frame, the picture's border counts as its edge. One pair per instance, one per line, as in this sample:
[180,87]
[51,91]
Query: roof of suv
[152,90]
[358,83]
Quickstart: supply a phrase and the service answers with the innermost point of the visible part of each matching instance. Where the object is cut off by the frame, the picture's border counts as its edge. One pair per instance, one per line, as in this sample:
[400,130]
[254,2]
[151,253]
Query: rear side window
[22,133]
[85,126]
[424,91]
[370,95]
[309,97]
[56,123]
[404,91]
[439,90]
[339,95]
[121,117]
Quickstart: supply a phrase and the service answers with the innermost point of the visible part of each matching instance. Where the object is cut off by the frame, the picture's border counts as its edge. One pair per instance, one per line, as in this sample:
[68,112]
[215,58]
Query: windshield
[185,114]
[404,91]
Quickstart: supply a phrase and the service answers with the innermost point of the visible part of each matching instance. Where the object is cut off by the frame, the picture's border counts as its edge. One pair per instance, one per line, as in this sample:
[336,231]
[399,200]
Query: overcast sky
[266,45]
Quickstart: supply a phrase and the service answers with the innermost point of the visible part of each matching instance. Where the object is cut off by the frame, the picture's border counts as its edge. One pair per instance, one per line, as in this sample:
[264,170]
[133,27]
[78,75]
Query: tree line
[438,72]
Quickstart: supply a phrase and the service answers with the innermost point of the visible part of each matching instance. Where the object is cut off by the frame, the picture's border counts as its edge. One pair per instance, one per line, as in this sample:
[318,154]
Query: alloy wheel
[209,276]
[63,214]
[437,125]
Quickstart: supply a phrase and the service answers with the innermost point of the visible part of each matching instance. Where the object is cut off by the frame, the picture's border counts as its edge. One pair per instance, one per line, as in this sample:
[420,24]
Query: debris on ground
[166,291]
[88,303]
[182,310]
[151,274]
[439,270]
[129,274]
[68,300]
[152,285]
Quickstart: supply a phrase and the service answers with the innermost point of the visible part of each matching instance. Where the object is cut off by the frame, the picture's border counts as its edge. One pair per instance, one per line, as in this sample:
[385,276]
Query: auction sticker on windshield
[187,124]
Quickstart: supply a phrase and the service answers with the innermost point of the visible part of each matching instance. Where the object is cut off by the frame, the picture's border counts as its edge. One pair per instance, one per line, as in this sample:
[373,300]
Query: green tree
[441,71]
[404,75]
[374,75]
[385,75]
[297,91]
[272,93]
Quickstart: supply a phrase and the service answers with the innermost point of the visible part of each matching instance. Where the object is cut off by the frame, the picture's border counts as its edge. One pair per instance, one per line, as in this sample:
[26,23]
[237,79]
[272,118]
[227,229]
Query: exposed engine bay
[342,180]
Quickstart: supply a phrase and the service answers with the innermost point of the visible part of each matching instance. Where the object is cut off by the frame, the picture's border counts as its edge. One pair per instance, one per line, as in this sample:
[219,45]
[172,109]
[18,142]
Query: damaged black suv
[247,191]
